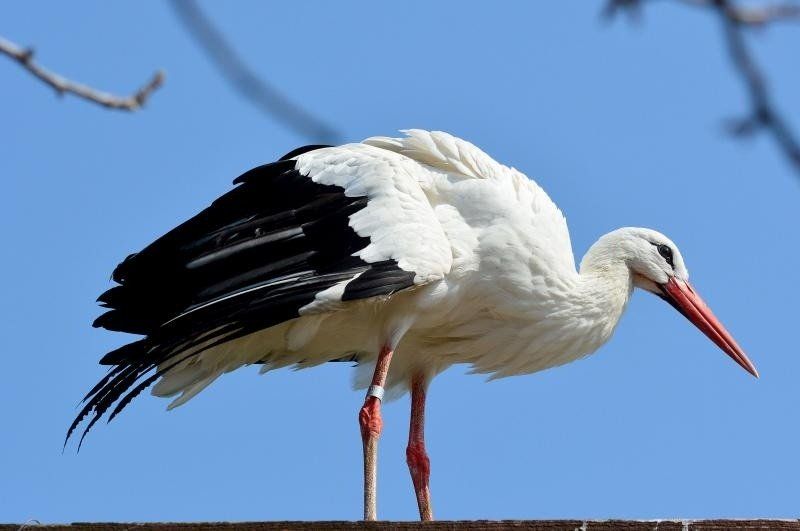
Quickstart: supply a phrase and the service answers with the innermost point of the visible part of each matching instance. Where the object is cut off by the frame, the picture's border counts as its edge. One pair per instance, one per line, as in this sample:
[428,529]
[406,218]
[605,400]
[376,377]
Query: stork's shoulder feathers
[442,151]
[486,193]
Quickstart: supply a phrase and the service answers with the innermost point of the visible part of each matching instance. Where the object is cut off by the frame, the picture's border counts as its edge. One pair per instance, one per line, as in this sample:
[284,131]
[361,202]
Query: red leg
[417,458]
[369,419]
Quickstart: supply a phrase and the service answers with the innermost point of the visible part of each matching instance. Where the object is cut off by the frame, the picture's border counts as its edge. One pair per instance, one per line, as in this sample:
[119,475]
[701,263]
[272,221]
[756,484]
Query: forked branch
[62,85]
[763,114]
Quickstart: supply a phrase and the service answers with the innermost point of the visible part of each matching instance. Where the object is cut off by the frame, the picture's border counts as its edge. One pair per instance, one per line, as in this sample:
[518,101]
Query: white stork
[404,255]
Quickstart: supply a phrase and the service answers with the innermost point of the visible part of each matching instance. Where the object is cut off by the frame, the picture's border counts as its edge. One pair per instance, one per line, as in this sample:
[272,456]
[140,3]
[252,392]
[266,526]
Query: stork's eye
[666,252]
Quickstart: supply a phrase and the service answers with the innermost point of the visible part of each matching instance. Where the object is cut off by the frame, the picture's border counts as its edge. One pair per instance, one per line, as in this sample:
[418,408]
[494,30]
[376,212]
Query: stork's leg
[369,418]
[418,463]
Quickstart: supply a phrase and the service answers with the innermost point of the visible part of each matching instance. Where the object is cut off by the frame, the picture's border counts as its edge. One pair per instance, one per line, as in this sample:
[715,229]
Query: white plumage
[444,256]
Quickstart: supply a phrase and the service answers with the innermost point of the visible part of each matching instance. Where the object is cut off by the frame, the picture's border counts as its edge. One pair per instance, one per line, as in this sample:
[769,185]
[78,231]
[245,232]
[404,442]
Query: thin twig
[747,15]
[24,56]
[259,92]
[752,15]
[762,115]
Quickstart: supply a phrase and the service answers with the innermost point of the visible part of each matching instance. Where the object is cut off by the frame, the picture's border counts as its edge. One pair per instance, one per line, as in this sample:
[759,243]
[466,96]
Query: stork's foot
[420,467]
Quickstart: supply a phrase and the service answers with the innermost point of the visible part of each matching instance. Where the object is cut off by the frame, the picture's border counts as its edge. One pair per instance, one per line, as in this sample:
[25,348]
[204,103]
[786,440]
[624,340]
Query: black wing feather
[247,262]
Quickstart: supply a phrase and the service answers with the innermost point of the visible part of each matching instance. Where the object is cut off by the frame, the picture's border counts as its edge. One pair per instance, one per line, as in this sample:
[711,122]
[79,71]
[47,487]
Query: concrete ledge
[469,525]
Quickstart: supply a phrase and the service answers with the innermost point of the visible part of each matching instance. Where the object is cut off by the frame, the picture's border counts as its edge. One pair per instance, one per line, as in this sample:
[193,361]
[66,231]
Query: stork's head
[657,266]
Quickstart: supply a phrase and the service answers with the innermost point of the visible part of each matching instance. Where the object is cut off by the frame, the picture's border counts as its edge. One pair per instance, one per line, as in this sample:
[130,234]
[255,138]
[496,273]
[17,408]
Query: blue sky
[620,123]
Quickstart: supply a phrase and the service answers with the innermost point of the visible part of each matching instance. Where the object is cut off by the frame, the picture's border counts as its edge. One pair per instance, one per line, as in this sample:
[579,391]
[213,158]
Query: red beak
[685,299]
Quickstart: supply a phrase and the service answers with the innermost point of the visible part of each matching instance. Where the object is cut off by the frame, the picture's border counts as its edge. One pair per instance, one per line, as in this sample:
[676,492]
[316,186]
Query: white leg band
[376,391]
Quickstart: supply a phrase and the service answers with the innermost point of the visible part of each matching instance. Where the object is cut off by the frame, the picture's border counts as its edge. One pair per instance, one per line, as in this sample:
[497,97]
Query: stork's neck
[604,286]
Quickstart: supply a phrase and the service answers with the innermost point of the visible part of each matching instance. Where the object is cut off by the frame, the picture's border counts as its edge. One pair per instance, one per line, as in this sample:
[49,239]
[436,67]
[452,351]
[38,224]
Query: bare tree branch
[752,15]
[24,56]
[259,92]
[762,115]
[748,15]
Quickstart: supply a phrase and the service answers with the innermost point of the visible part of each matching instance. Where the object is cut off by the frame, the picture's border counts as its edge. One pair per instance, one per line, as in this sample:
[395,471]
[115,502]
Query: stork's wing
[320,227]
